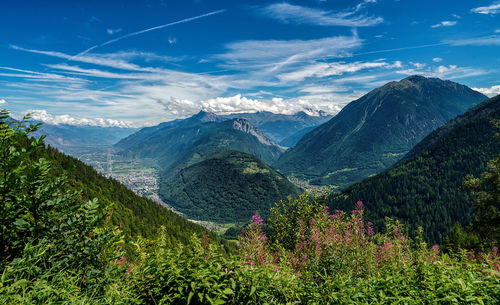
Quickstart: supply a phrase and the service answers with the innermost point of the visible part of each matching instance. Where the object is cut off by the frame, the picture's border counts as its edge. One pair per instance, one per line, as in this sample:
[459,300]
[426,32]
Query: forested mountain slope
[230,186]
[426,189]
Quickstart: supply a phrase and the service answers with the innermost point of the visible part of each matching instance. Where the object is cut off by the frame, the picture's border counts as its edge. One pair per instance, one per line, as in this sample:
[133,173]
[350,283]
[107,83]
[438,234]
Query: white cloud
[324,101]
[490,92]
[328,69]
[277,53]
[444,23]
[437,59]
[289,13]
[445,72]
[497,31]
[397,64]
[45,117]
[113,31]
[493,8]
[417,65]
[3,102]
[492,40]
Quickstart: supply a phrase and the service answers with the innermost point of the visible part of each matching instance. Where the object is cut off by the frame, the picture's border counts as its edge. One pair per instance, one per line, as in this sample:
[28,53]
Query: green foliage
[226,187]
[35,211]
[486,200]
[286,216]
[426,189]
[45,231]
[370,269]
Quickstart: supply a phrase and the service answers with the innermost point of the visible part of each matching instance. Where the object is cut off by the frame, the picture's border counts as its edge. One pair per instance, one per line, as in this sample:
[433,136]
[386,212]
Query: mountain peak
[204,116]
[247,127]
[416,78]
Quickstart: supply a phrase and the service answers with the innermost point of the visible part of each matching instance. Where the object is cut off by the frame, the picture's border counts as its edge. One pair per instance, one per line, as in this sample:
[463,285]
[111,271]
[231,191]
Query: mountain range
[372,133]
[63,135]
[184,142]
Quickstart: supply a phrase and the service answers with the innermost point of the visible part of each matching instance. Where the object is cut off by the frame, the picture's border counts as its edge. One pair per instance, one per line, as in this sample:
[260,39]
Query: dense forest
[426,188]
[226,187]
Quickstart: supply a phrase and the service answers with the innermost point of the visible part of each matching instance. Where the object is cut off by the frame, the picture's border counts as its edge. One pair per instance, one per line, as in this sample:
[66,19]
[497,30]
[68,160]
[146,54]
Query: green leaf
[252,290]
[190,296]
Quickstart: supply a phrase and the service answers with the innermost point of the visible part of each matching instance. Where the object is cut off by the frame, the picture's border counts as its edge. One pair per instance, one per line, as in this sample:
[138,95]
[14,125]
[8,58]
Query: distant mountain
[226,187]
[292,140]
[180,143]
[62,136]
[280,126]
[425,189]
[372,133]
[148,132]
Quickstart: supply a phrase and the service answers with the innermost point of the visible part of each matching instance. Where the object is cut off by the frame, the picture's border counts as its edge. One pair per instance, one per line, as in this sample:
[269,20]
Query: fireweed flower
[257,220]
[371,232]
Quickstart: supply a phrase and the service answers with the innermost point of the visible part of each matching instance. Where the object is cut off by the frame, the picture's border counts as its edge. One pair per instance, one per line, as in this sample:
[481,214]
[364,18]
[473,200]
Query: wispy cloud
[3,102]
[328,69]
[493,8]
[446,72]
[437,59]
[490,92]
[118,60]
[40,76]
[492,40]
[113,31]
[295,14]
[444,23]
[145,31]
[275,52]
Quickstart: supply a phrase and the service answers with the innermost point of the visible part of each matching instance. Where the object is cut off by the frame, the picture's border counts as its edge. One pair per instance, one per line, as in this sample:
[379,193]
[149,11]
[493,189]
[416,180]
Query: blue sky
[139,63]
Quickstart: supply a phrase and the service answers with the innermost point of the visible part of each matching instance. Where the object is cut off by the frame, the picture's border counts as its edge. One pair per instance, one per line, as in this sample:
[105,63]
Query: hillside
[226,187]
[136,215]
[425,189]
[372,133]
